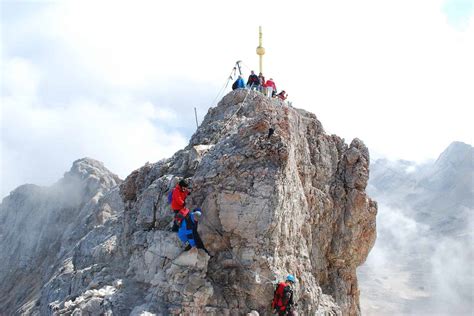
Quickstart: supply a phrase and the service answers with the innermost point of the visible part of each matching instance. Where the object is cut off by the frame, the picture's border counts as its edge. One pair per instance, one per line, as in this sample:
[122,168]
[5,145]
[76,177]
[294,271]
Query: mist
[421,263]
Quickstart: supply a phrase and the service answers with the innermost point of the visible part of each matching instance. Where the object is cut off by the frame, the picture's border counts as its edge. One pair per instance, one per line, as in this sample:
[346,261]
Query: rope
[230,77]
[223,87]
[233,72]
[240,106]
[245,65]
[207,224]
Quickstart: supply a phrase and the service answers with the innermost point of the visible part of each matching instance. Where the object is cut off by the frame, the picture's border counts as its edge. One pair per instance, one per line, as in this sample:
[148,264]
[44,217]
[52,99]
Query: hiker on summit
[239,83]
[253,81]
[282,95]
[188,231]
[178,202]
[271,88]
[282,303]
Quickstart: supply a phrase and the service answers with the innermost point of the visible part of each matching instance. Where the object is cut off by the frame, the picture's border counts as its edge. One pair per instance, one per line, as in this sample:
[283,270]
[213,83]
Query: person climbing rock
[282,303]
[282,95]
[188,231]
[239,83]
[180,193]
[178,202]
[270,87]
[253,82]
[197,237]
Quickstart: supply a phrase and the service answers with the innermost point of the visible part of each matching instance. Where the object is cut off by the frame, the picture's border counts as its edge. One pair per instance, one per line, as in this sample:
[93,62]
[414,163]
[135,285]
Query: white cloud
[396,75]
[39,143]
[20,78]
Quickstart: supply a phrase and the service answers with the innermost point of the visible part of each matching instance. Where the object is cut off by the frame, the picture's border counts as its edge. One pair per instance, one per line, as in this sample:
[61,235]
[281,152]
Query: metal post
[196,116]
[260,49]
[238,65]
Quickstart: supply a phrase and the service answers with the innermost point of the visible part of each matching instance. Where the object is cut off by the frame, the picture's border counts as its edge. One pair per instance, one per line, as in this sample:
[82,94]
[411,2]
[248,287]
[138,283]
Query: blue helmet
[291,278]
[197,209]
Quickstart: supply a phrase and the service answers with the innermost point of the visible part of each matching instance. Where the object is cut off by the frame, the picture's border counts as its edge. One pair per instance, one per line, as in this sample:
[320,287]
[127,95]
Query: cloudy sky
[118,81]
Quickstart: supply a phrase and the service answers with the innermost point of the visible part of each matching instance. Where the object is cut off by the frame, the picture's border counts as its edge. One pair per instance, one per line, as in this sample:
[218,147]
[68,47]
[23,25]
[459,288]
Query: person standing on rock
[282,303]
[239,83]
[253,82]
[197,237]
[270,87]
[178,203]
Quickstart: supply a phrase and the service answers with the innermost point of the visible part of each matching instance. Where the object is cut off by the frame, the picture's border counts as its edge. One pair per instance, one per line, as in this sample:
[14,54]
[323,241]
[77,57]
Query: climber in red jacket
[180,193]
[178,203]
[283,297]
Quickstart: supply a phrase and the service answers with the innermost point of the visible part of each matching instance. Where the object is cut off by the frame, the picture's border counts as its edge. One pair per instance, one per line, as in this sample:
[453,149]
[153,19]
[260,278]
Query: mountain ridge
[260,192]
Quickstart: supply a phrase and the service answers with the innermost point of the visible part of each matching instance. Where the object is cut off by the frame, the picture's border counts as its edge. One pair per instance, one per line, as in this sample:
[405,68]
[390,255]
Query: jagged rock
[290,203]
[40,231]
[260,196]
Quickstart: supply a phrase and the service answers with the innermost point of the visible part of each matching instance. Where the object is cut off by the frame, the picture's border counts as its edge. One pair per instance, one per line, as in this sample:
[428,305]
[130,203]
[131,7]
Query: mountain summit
[278,195]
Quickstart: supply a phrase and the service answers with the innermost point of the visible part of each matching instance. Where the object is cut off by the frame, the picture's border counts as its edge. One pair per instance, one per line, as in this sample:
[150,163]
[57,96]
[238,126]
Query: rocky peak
[87,177]
[457,155]
[87,167]
[291,201]
[41,225]
[453,168]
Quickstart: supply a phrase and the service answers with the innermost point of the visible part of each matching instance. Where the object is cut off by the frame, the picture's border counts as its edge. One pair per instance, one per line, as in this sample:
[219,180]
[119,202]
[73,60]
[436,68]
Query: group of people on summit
[185,223]
[254,82]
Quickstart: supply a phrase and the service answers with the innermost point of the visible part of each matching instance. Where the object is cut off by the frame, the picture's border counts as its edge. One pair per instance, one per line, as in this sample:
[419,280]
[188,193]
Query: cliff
[293,202]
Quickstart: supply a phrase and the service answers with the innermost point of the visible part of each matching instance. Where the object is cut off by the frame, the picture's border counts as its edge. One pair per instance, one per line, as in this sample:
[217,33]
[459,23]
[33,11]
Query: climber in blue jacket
[188,231]
[239,83]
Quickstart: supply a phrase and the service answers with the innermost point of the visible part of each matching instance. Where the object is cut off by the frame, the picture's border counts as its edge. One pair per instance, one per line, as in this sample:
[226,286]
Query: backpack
[287,296]
[170,196]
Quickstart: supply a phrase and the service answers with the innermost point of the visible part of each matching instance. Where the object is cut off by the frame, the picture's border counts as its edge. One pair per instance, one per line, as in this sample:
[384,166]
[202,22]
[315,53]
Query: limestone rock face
[290,202]
[293,202]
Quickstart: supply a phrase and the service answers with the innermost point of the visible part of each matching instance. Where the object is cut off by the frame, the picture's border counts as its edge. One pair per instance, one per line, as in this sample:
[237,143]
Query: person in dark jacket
[239,83]
[283,297]
[253,81]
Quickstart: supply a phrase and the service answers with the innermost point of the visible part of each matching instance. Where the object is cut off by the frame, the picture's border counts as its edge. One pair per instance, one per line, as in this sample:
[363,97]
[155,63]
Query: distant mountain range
[421,262]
